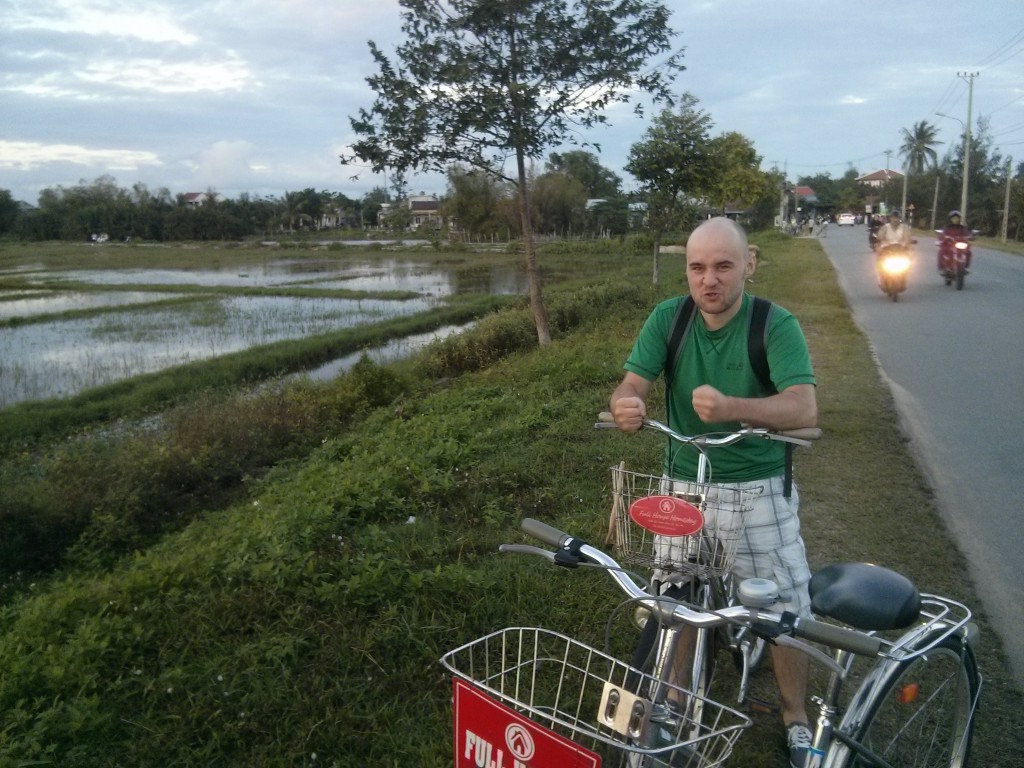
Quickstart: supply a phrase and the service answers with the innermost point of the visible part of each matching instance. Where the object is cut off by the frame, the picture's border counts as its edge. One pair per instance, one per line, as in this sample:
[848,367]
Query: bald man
[714,389]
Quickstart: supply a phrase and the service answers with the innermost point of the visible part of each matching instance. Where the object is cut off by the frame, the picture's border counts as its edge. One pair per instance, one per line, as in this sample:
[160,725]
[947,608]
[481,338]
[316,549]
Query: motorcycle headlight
[895,265]
[962,246]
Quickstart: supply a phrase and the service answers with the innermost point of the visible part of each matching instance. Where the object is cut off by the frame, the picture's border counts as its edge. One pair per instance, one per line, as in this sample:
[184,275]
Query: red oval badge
[666,515]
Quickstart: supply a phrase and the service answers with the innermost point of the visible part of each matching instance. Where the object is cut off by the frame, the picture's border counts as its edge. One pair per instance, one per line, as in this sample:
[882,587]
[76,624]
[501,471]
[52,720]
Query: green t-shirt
[721,358]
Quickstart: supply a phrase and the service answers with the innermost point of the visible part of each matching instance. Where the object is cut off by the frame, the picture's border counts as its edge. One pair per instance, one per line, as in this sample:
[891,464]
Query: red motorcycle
[954,258]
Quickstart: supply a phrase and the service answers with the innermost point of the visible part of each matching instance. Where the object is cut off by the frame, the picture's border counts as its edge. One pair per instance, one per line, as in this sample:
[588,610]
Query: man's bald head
[721,232]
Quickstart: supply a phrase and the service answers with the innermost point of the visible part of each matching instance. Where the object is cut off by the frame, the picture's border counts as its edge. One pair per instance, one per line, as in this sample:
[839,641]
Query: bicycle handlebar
[571,548]
[800,437]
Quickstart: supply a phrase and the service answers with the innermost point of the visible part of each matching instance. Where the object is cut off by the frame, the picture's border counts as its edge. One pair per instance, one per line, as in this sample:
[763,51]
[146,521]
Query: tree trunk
[656,277]
[540,313]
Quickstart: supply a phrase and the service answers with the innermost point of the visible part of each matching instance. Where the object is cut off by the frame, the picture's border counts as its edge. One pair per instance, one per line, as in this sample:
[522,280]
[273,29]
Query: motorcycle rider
[874,224]
[893,233]
[954,230]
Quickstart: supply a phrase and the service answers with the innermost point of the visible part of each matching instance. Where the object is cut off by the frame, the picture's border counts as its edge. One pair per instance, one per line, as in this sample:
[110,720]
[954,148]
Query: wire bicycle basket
[709,552]
[612,710]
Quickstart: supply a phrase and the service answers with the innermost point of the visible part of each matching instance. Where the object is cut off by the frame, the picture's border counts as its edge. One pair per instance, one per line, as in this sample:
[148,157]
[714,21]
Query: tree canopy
[484,82]
[673,165]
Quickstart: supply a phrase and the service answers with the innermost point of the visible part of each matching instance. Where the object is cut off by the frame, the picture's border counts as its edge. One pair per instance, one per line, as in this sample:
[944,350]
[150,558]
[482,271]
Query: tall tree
[483,82]
[918,153]
[586,168]
[673,166]
[472,201]
[8,211]
[559,203]
[738,178]
[293,210]
[918,148]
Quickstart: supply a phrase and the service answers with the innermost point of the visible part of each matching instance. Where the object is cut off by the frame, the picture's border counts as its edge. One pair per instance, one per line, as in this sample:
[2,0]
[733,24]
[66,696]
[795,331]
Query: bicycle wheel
[921,715]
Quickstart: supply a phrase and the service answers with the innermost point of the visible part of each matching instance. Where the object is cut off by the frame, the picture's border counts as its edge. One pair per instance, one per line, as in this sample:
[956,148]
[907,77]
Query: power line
[1004,48]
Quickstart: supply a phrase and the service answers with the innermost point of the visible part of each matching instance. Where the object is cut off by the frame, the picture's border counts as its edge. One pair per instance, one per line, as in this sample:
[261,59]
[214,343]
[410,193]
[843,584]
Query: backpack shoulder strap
[677,335]
[757,342]
[757,349]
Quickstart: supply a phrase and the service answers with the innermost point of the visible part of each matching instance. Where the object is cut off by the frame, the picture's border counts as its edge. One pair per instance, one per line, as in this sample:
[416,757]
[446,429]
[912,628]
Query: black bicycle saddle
[867,597]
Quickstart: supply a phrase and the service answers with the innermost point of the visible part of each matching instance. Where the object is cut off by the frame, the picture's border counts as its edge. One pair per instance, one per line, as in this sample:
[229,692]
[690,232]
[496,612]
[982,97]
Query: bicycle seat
[867,597]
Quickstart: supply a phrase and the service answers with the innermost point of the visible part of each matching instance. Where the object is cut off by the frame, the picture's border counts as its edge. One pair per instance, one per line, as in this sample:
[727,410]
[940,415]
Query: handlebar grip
[837,637]
[606,417]
[546,533]
[804,433]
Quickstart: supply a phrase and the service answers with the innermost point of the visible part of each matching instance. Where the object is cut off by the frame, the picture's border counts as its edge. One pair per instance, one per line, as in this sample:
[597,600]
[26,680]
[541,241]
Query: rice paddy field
[74,318]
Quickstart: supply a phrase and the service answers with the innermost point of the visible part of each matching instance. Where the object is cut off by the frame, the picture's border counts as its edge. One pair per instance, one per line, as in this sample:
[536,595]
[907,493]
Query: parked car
[846,219]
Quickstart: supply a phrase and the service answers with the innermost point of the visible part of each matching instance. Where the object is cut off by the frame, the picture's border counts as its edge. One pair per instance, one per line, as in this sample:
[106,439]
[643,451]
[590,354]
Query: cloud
[227,164]
[102,18]
[200,76]
[29,155]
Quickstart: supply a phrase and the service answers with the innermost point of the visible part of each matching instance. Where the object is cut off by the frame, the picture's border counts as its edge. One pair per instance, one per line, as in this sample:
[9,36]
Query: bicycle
[702,559]
[545,699]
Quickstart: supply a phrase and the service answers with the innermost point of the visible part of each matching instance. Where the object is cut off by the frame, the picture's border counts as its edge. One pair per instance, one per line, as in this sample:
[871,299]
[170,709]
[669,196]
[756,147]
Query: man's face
[716,269]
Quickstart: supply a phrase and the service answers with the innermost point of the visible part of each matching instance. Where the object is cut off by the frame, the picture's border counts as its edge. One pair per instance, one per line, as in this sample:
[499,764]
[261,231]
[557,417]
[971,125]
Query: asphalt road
[955,363]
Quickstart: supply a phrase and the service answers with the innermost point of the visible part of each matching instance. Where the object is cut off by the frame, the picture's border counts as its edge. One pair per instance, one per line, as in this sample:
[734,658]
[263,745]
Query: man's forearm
[794,408]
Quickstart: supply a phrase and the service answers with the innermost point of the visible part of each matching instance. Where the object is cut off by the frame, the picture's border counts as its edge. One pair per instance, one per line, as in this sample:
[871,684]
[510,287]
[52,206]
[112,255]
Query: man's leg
[790,666]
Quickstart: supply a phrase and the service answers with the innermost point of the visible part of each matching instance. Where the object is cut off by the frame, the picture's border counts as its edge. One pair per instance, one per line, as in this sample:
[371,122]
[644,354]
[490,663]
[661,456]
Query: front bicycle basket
[611,713]
[711,551]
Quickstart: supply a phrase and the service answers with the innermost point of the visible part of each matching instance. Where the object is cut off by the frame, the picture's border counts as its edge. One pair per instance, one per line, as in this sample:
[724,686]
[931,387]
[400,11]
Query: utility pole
[969,77]
[1006,202]
[886,195]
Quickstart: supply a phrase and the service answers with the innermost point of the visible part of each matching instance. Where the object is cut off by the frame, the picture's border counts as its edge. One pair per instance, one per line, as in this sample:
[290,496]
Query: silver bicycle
[696,567]
[554,701]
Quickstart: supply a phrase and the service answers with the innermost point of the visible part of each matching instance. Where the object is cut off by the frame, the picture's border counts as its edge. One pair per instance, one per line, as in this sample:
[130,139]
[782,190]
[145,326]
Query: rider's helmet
[894,215]
[954,217]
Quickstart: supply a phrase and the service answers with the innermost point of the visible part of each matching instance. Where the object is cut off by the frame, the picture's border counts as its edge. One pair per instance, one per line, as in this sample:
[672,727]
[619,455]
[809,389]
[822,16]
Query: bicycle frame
[834,745]
[712,586]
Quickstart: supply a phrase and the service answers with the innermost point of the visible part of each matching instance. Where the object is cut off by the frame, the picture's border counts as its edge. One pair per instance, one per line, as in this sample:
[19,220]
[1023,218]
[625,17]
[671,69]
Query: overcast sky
[255,96]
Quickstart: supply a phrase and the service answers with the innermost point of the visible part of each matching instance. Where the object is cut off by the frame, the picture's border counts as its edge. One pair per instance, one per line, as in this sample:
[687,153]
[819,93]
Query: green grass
[307,616]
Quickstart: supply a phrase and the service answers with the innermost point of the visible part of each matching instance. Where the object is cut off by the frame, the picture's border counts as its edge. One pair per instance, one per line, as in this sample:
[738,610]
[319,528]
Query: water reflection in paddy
[61,358]
[384,275]
[33,304]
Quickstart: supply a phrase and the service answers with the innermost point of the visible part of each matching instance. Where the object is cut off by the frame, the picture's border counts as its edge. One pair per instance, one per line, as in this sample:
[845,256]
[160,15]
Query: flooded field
[111,324]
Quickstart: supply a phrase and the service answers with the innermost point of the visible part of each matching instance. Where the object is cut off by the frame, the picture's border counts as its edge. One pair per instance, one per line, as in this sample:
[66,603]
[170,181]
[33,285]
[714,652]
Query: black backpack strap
[757,342]
[677,335]
[757,349]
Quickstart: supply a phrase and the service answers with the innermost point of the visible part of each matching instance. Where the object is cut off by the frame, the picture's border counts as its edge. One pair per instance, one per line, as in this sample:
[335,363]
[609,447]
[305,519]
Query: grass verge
[302,625]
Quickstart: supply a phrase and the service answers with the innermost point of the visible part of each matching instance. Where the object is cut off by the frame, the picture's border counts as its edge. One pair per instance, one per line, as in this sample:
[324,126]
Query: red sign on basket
[666,515]
[490,735]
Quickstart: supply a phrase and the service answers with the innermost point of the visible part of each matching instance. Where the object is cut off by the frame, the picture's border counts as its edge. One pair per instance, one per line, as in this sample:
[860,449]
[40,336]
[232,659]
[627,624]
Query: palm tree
[291,207]
[918,154]
[917,146]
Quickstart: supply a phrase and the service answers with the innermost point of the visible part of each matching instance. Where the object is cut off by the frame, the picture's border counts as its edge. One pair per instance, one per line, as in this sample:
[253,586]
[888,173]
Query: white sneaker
[798,737]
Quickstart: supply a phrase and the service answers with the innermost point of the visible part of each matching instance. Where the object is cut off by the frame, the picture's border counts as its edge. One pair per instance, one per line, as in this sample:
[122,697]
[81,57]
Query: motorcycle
[892,263]
[954,258]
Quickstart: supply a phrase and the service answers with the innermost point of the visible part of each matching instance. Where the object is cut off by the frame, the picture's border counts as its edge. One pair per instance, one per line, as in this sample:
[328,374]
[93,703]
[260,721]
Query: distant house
[334,218]
[806,193]
[877,179]
[194,199]
[424,212]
